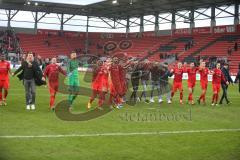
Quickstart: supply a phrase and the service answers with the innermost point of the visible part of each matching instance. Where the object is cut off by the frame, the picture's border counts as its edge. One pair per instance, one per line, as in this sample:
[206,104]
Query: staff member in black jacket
[238,77]
[164,84]
[145,76]
[228,78]
[135,79]
[31,74]
[155,75]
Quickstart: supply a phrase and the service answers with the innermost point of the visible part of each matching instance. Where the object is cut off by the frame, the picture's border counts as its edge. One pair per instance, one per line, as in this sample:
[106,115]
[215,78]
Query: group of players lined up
[144,71]
[113,76]
[158,74]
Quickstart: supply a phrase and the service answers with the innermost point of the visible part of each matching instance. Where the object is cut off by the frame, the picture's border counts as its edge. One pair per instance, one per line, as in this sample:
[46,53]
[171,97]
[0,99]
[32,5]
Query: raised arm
[18,70]
[62,71]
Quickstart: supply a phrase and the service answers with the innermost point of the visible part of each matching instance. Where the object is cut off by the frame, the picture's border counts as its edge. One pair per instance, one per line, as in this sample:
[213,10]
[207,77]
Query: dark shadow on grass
[62,112]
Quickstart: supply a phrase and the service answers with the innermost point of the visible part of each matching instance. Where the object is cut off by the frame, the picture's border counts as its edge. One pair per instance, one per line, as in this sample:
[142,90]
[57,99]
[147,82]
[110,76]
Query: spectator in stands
[99,46]
[1,33]
[236,46]
[186,47]
[78,51]
[176,57]
[229,51]
[46,42]
[191,43]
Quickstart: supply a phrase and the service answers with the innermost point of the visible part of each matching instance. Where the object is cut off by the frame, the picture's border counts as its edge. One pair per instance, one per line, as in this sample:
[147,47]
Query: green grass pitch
[120,138]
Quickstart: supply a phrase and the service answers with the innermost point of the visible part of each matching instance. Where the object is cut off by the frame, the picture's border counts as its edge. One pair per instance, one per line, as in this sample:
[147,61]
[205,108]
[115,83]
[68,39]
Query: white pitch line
[119,134]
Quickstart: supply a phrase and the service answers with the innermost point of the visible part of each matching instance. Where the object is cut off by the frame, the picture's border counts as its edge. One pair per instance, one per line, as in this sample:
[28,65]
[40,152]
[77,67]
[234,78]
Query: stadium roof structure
[120,9]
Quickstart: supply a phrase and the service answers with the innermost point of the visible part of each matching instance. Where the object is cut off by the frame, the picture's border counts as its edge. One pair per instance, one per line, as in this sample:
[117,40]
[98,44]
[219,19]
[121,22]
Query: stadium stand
[185,47]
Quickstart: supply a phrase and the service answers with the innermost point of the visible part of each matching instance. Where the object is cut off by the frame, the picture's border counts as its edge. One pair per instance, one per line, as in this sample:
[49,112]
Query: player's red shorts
[177,86]
[191,84]
[4,84]
[216,87]
[53,88]
[204,85]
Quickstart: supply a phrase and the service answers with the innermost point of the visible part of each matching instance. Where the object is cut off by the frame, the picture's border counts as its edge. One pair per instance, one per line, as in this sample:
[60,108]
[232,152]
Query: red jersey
[4,70]
[217,76]
[52,72]
[118,81]
[100,79]
[192,74]
[204,75]
[178,74]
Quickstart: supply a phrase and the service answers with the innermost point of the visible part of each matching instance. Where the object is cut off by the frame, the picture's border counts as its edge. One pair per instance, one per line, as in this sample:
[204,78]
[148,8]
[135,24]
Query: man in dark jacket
[155,75]
[32,74]
[165,86]
[145,76]
[228,78]
[135,79]
[238,77]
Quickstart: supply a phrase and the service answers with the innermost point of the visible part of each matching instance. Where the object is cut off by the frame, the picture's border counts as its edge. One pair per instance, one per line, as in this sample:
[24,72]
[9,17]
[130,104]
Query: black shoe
[198,101]
[147,101]
[229,102]
[100,108]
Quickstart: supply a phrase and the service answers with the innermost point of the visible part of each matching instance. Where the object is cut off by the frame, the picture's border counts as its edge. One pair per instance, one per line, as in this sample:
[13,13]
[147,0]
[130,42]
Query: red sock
[91,99]
[118,99]
[181,95]
[0,94]
[213,98]
[52,100]
[94,94]
[216,98]
[5,93]
[172,94]
[204,97]
[190,97]
[110,100]
[101,99]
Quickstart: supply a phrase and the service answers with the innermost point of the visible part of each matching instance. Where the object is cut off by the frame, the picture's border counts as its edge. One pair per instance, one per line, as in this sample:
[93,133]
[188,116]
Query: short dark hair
[29,53]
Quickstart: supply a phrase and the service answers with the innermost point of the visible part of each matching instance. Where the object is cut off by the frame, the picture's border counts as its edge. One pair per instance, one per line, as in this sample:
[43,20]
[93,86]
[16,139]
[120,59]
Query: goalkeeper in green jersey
[73,77]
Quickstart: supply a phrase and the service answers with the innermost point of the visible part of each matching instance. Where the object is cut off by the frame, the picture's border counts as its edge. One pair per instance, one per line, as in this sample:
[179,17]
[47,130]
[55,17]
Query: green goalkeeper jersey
[72,70]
